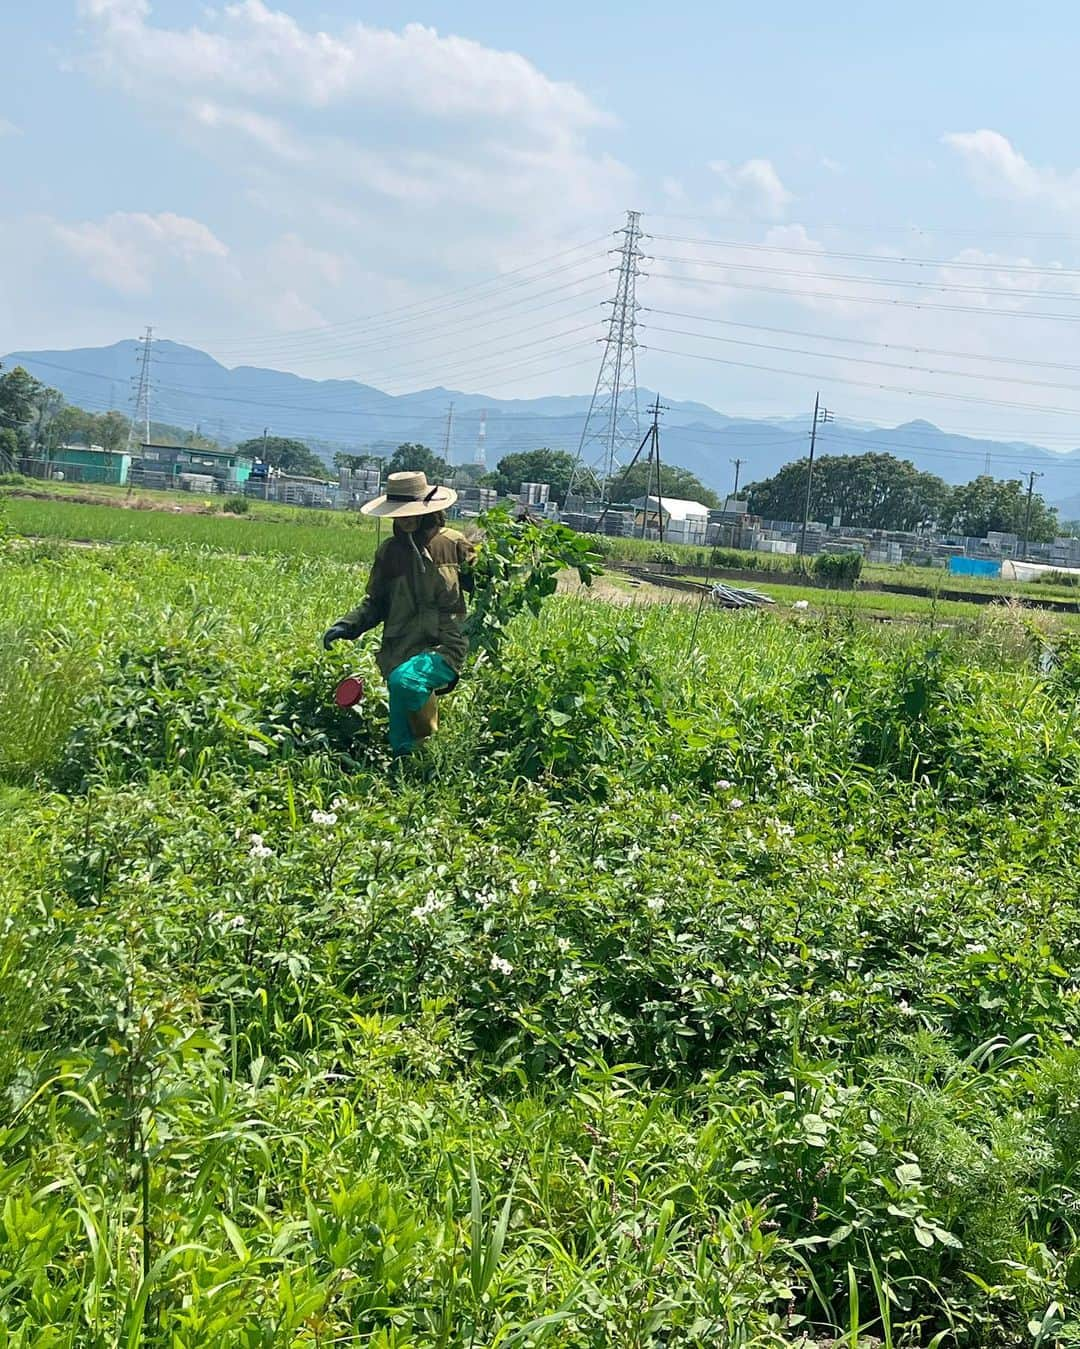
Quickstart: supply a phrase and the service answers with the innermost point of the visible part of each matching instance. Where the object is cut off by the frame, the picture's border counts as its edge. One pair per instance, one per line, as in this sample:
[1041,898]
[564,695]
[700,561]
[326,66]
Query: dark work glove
[338,633]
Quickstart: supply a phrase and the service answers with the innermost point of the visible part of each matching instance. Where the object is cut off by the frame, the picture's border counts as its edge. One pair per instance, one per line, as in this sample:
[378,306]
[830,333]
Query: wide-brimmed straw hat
[409,494]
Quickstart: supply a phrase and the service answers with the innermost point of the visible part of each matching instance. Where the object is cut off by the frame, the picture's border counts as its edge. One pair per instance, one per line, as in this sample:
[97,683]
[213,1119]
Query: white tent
[684,521]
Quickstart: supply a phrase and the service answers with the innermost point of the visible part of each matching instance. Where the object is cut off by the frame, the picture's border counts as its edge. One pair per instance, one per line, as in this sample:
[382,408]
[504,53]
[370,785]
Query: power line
[858,278]
[849,227]
[870,384]
[319,329]
[893,301]
[864,342]
[963,264]
[383,339]
[868,360]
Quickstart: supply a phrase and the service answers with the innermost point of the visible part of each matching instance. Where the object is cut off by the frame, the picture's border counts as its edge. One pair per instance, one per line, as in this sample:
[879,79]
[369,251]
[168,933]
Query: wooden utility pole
[652,439]
[821,415]
[1027,514]
[735,490]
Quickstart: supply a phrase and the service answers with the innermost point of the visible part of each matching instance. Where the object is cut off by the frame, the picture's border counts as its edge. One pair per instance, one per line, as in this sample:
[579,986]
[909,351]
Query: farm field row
[178,518]
[712,979]
[301,533]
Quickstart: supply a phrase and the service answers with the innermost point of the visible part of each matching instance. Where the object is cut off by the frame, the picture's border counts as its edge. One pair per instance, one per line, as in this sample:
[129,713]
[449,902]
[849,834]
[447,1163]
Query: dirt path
[617,589]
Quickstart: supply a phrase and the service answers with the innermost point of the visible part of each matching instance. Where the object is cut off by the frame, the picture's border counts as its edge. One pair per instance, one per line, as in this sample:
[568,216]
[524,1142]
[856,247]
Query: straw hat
[409,494]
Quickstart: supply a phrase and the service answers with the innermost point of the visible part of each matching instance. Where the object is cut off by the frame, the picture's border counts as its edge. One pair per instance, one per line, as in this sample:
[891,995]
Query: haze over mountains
[191,389]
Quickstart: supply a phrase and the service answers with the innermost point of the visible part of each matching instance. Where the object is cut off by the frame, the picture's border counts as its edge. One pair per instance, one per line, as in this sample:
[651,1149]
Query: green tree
[9,449]
[24,405]
[675,481]
[554,467]
[988,504]
[110,431]
[69,425]
[20,395]
[419,459]
[869,491]
[291,456]
[468,475]
[354,462]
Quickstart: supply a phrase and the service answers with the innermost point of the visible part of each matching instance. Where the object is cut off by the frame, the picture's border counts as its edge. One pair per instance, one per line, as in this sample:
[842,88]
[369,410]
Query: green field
[710,980]
[289,531]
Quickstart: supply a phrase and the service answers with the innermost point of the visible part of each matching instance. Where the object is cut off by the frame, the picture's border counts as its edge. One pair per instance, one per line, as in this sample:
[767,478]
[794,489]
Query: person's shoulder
[387,550]
[450,543]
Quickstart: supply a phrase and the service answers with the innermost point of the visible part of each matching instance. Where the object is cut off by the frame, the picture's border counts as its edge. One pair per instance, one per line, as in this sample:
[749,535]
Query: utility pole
[1027,514]
[821,415]
[652,439]
[612,424]
[735,490]
[266,467]
[449,433]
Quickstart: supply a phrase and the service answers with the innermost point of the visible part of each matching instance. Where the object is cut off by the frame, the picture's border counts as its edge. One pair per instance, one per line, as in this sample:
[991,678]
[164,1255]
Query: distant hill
[191,388]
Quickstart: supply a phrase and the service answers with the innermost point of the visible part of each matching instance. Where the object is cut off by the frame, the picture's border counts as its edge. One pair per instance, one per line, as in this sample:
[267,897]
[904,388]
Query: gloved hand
[338,633]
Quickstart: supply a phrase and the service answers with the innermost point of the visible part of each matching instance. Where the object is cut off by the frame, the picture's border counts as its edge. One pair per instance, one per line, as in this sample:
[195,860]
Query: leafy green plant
[838,569]
[690,993]
[516,568]
[236,505]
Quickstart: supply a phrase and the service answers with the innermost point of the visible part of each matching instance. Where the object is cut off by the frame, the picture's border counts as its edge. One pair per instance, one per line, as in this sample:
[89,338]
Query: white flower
[724,785]
[431,905]
[259,850]
[735,803]
[801,604]
[323,817]
[238,921]
[563,943]
[654,903]
[501,966]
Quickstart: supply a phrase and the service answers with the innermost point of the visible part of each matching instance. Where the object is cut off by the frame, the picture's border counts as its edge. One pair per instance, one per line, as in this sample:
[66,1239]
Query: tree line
[869,491]
[879,491]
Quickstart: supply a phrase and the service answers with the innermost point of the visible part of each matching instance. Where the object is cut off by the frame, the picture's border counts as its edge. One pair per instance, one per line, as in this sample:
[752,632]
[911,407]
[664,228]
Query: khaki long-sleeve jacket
[415,592]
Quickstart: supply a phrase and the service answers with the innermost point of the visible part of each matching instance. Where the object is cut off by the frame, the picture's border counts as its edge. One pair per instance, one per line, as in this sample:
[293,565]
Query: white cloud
[1000,170]
[368,119]
[9,128]
[753,188]
[674,191]
[256,51]
[127,249]
[255,55]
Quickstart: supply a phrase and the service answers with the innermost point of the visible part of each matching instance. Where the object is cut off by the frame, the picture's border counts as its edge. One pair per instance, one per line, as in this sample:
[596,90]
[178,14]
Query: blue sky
[255,177]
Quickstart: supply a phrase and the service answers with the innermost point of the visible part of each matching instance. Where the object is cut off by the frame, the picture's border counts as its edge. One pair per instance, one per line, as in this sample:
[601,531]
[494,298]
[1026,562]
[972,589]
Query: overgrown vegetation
[838,569]
[712,982]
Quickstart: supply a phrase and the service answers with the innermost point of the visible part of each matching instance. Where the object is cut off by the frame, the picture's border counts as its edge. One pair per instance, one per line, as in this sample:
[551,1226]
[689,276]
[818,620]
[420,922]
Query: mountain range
[191,389]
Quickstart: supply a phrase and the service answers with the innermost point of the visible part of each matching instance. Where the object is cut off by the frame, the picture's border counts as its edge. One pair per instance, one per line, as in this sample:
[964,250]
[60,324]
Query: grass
[709,981]
[309,534]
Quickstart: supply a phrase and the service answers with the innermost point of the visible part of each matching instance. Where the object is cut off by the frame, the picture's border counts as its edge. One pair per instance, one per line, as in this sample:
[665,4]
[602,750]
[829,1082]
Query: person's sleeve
[372,609]
[466,552]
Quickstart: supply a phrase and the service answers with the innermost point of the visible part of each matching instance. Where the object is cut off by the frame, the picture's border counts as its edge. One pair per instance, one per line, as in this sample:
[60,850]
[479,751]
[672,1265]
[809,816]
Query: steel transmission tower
[142,391]
[611,432]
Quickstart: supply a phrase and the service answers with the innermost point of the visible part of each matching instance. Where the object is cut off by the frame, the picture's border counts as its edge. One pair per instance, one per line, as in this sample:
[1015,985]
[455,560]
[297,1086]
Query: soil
[623,591]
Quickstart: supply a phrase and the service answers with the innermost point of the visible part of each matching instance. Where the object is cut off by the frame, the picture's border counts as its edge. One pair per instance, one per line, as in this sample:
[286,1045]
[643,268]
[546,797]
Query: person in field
[416,590]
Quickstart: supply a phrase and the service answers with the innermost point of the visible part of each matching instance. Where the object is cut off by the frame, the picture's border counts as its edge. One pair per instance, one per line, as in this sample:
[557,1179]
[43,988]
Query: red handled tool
[349,692]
